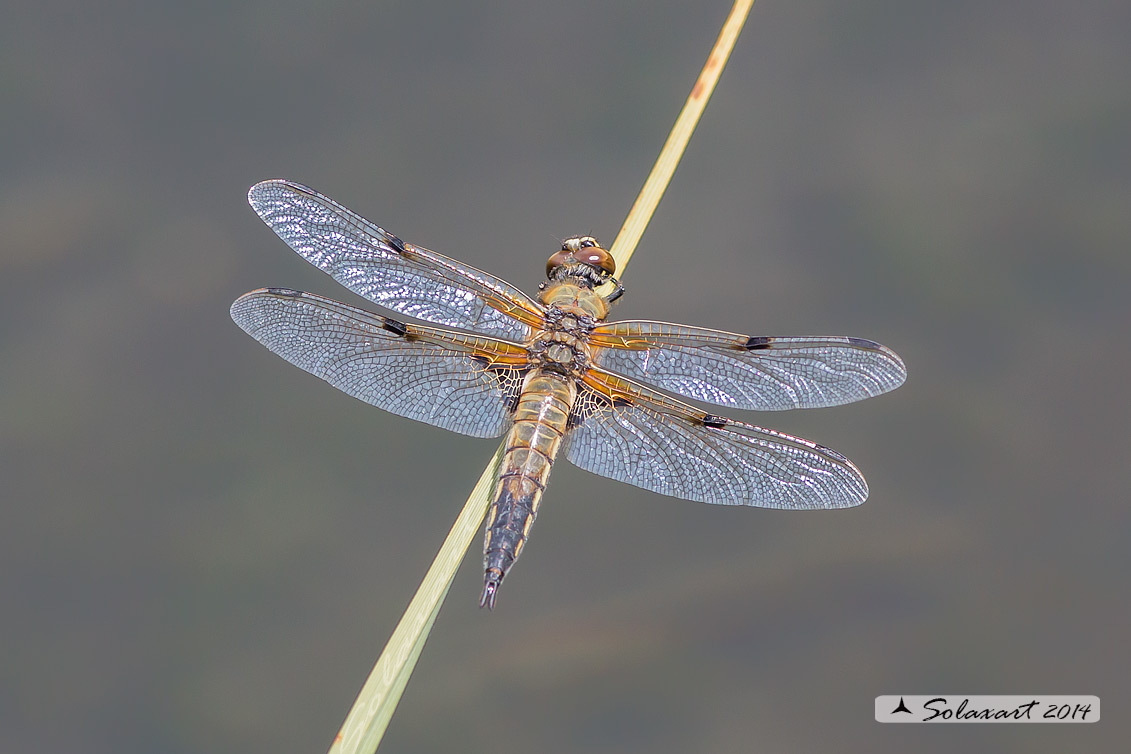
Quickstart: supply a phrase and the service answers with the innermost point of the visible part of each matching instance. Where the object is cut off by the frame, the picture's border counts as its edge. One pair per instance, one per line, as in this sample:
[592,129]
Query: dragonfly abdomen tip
[490,588]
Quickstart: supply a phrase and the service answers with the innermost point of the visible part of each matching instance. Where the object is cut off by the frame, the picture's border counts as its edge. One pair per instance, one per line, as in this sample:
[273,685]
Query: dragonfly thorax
[568,297]
[560,353]
[562,346]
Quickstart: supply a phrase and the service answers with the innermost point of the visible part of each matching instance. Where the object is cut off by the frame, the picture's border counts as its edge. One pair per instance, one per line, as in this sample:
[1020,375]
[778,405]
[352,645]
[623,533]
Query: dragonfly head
[581,258]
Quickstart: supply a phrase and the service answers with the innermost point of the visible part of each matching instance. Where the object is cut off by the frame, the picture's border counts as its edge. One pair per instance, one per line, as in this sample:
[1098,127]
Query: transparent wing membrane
[435,376]
[631,434]
[741,371]
[379,266]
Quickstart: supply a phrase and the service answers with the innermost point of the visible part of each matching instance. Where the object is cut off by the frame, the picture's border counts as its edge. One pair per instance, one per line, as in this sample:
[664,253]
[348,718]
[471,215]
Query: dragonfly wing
[626,432]
[460,382]
[742,371]
[375,264]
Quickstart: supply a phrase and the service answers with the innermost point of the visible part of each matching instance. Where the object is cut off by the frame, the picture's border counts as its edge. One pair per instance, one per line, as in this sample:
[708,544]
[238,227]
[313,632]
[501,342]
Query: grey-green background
[203,549]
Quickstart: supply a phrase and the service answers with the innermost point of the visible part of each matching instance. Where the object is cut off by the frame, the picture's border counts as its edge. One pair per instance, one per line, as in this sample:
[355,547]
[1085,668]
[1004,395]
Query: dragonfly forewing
[377,265]
[748,372]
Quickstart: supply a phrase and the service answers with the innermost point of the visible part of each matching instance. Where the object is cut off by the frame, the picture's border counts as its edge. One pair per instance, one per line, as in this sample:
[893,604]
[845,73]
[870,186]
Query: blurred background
[203,548]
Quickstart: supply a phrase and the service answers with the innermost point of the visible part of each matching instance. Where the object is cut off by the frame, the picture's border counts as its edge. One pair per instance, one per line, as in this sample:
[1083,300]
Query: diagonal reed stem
[661,175]
[367,720]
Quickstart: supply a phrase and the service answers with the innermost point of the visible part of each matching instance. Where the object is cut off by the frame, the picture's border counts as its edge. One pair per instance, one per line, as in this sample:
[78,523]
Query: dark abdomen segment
[533,442]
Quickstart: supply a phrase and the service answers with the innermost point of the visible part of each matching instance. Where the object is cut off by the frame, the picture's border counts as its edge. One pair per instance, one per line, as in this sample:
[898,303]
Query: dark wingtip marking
[716,422]
[757,342]
[288,292]
[582,412]
[395,327]
[864,343]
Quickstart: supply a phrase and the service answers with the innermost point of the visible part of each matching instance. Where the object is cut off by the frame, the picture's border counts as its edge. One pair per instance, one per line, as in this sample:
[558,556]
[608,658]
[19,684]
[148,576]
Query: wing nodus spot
[395,242]
[715,422]
[757,342]
[397,328]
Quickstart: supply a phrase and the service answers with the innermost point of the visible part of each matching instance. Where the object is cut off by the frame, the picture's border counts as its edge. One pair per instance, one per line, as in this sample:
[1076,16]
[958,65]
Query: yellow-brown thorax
[574,299]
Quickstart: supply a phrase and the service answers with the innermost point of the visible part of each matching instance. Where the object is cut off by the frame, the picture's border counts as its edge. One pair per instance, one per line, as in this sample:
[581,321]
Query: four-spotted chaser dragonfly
[553,375]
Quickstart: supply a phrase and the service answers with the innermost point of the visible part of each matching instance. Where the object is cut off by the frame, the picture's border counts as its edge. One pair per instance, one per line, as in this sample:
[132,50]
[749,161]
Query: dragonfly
[553,375]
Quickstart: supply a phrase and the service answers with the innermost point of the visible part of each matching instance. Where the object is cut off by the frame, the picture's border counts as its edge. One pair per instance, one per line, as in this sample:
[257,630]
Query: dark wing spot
[395,242]
[510,385]
[871,345]
[288,292]
[590,402]
[508,380]
[757,342]
[395,327]
[716,422]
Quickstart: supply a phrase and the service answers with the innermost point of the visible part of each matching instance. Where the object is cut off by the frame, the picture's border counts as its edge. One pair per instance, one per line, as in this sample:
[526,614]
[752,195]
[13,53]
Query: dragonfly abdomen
[532,444]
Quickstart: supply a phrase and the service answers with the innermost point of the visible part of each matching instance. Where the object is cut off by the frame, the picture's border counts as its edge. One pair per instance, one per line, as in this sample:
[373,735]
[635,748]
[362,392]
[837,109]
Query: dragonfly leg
[617,292]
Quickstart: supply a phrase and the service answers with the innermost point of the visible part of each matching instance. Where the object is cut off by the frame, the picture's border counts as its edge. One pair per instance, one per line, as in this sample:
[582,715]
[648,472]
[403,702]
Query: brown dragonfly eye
[559,259]
[597,257]
[593,256]
[582,251]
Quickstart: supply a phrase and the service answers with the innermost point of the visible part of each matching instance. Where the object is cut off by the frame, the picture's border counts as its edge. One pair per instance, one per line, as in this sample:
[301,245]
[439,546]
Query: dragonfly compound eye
[582,251]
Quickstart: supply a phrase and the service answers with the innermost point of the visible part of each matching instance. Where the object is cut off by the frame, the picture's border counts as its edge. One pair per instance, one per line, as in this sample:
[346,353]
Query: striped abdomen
[533,442]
